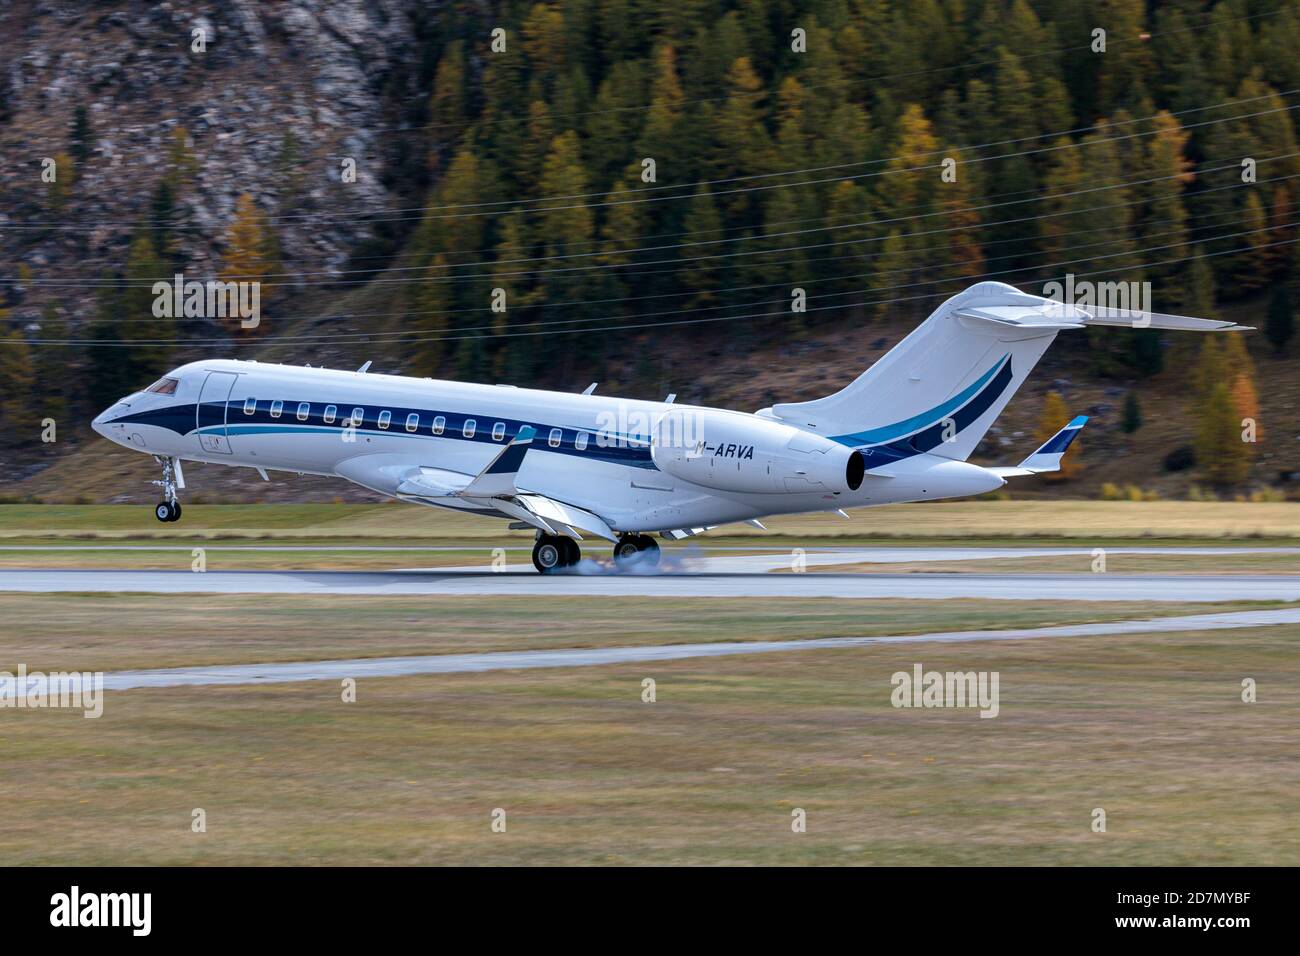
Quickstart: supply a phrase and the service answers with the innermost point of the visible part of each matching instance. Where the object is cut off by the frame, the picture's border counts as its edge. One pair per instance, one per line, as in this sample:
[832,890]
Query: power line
[498,274]
[350,337]
[515,205]
[802,281]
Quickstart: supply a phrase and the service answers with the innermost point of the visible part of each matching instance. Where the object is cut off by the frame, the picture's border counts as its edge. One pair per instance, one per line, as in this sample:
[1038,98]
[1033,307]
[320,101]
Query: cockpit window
[164,386]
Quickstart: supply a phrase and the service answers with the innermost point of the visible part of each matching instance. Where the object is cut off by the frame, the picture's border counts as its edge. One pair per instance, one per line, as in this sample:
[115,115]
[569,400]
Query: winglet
[1048,457]
[498,478]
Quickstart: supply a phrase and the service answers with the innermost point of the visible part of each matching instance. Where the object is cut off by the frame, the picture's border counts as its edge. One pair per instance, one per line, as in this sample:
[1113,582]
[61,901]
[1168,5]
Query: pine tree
[620,233]
[82,136]
[17,375]
[660,139]
[1279,325]
[447,101]
[908,194]
[1162,216]
[961,257]
[428,301]
[55,372]
[1222,455]
[742,145]
[1132,419]
[566,230]
[153,336]
[701,275]
[108,367]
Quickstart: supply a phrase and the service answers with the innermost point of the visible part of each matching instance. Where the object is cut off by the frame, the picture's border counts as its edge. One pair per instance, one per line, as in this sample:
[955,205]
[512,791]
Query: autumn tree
[1223,457]
[1054,417]
[58,188]
[250,251]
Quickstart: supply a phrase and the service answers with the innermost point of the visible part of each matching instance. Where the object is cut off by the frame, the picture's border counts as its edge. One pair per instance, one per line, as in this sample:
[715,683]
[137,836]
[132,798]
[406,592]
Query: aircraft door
[210,417]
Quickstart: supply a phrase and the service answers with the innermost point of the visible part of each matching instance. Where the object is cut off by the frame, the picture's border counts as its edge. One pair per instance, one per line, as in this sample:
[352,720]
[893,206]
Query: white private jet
[568,465]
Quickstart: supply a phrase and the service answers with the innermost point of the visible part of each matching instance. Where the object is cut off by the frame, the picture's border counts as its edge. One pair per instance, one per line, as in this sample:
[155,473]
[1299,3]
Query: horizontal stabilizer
[1048,457]
[1050,315]
[1131,318]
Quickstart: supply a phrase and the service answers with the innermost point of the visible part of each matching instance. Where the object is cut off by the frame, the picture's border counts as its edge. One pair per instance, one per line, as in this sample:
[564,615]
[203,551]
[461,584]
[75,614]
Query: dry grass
[1082,564]
[1149,727]
[119,631]
[961,520]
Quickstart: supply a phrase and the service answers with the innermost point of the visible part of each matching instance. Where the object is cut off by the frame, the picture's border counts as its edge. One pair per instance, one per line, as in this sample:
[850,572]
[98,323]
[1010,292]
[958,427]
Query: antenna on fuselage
[590,388]
[364,368]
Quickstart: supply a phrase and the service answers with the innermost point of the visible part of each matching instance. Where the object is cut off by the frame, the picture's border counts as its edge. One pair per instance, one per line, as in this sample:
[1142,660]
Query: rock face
[272,98]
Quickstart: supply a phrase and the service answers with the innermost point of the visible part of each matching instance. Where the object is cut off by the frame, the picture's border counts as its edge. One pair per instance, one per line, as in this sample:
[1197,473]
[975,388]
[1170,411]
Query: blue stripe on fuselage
[624,450]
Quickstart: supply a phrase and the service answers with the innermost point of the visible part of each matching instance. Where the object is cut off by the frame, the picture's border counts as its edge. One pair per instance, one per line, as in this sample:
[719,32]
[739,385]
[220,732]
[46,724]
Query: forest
[563,173]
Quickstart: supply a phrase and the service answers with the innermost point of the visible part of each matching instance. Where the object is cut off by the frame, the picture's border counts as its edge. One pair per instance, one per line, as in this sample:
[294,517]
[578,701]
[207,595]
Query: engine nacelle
[730,451]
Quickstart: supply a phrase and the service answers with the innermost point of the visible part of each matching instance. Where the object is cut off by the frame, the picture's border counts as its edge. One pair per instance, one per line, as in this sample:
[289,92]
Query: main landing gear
[169,509]
[554,552]
[636,551]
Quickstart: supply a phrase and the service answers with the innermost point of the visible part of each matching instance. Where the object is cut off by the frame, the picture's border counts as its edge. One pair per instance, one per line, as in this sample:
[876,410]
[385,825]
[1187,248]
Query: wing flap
[557,512]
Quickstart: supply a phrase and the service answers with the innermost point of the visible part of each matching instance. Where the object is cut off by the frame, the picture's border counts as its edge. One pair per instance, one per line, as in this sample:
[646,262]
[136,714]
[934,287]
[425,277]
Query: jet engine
[730,451]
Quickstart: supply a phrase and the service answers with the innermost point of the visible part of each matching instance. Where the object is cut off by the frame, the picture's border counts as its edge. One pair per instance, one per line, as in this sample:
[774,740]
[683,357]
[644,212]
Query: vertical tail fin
[940,388]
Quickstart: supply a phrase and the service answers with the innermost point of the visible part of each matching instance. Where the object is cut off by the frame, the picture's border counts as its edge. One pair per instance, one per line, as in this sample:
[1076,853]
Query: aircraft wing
[494,488]
[497,478]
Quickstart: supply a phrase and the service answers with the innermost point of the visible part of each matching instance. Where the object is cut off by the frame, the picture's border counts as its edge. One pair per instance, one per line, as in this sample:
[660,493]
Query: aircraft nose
[100,421]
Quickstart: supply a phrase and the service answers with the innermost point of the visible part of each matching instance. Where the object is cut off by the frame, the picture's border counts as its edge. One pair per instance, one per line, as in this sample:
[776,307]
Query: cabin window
[471,426]
[439,424]
[385,418]
[304,410]
[331,412]
[358,416]
[498,431]
[250,405]
[554,440]
[412,422]
[277,407]
[580,443]
[164,386]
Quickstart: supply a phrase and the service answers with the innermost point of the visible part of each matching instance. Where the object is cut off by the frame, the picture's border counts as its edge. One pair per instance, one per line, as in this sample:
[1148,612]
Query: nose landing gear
[553,552]
[169,509]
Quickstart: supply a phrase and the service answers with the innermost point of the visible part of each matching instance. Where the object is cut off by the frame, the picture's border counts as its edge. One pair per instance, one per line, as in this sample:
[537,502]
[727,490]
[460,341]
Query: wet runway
[693,573]
[1020,587]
